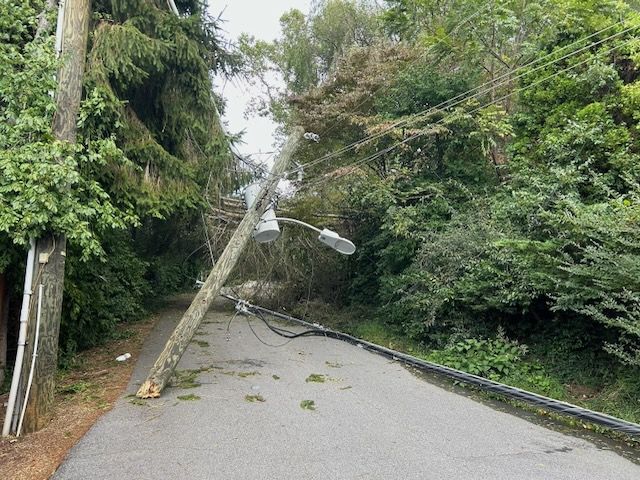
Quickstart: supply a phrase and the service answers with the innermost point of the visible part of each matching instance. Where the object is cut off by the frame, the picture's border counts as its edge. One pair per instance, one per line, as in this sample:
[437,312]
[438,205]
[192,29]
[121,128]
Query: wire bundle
[485,384]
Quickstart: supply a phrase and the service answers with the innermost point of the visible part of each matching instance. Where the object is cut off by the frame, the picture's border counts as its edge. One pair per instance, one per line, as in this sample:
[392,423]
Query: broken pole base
[149,389]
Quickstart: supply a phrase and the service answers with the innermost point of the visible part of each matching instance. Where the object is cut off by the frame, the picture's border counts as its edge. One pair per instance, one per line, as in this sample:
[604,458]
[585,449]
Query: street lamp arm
[267,229]
[326,236]
[297,222]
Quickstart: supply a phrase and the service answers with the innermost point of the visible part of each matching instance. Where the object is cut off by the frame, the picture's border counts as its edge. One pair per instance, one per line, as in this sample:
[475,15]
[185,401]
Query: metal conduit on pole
[33,360]
[617,424]
[22,339]
[172,6]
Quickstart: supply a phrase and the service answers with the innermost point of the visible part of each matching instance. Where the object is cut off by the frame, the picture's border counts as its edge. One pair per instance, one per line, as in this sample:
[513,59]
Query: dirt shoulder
[84,393]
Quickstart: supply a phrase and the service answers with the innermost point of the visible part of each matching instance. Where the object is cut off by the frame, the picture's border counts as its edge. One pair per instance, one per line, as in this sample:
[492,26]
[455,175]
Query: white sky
[259,18]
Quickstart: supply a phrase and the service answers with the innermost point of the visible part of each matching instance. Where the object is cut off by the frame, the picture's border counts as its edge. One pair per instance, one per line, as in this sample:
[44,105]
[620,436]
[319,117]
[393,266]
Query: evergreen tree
[150,150]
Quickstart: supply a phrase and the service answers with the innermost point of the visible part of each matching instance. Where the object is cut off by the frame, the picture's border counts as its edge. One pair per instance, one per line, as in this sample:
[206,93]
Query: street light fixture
[267,230]
[328,237]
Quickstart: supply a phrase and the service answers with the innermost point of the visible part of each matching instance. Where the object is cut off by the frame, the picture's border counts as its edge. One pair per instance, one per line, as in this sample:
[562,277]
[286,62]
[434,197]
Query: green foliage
[308,405]
[419,87]
[309,50]
[59,191]
[149,86]
[551,240]
[18,21]
[149,148]
[523,214]
[189,398]
[100,294]
[491,358]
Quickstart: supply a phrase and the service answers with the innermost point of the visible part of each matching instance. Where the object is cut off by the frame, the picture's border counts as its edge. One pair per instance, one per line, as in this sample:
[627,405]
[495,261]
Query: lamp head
[335,241]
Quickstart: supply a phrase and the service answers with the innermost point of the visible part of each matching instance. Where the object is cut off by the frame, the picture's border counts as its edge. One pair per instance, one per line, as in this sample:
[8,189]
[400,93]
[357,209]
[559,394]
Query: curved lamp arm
[297,222]
[267,229]
[328,237]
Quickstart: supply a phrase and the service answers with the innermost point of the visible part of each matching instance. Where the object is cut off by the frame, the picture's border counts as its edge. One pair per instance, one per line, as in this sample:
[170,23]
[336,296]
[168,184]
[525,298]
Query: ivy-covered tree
[150,149]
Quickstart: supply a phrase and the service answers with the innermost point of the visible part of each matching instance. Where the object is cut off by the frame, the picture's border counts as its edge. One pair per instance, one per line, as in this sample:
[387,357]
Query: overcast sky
[259,18]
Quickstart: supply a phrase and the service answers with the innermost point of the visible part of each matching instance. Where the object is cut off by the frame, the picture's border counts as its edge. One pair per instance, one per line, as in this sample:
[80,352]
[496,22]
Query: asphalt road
[373,419]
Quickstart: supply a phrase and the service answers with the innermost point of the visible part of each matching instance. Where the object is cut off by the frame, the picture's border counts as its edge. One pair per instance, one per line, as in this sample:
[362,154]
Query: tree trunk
[166,363]
[51,248]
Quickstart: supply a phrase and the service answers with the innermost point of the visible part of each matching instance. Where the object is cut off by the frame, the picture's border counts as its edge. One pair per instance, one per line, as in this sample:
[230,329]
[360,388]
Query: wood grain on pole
[51,247]
[165,365]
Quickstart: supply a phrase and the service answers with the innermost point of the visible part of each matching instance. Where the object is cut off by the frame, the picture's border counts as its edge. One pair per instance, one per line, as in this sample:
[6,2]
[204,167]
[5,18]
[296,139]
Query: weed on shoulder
[138,401]
[185,379]
[77,387]
[308,405]
[188,398]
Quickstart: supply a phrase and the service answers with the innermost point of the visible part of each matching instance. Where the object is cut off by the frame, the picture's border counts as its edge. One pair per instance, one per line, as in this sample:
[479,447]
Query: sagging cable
[613,423]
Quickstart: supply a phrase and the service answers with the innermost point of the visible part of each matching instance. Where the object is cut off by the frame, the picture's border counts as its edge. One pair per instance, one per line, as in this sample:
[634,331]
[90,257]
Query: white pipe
[172,6]
[22,338]
[59,27]
[298,222]
[33,361]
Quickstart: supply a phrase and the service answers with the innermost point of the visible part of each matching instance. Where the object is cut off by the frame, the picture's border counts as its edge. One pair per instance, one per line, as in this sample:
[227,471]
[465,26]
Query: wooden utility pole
[51,248]
[166,363]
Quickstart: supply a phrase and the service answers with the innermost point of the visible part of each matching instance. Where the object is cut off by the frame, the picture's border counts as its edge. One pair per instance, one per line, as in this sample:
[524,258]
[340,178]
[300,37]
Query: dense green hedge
[128,195]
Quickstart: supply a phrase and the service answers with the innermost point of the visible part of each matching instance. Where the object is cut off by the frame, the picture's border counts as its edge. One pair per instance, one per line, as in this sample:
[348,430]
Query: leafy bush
[492,358]
[101,293]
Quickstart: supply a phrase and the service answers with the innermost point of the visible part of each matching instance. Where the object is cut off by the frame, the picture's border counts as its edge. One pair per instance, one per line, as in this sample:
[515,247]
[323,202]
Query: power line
[424,55]
[479,90]
[432,47]
[613,423]
[441,121]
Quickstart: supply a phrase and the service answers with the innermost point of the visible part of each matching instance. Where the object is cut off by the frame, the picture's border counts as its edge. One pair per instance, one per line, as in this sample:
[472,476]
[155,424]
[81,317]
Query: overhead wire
[422,56]
[444,119]
[475,92]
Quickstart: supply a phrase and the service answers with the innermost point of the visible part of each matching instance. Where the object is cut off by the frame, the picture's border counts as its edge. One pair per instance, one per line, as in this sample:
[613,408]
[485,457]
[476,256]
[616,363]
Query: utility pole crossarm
[165,365]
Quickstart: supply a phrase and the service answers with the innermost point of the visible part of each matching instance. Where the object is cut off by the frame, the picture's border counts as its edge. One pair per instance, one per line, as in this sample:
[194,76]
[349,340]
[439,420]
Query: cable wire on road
[608,421]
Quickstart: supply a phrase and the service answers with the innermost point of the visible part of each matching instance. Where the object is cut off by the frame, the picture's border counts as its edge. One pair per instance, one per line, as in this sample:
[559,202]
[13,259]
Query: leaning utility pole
[166,363]
[51,248]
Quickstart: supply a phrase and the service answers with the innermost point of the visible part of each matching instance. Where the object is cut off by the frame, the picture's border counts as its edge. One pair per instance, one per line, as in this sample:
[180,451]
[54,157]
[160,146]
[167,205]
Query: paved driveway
[373,419]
